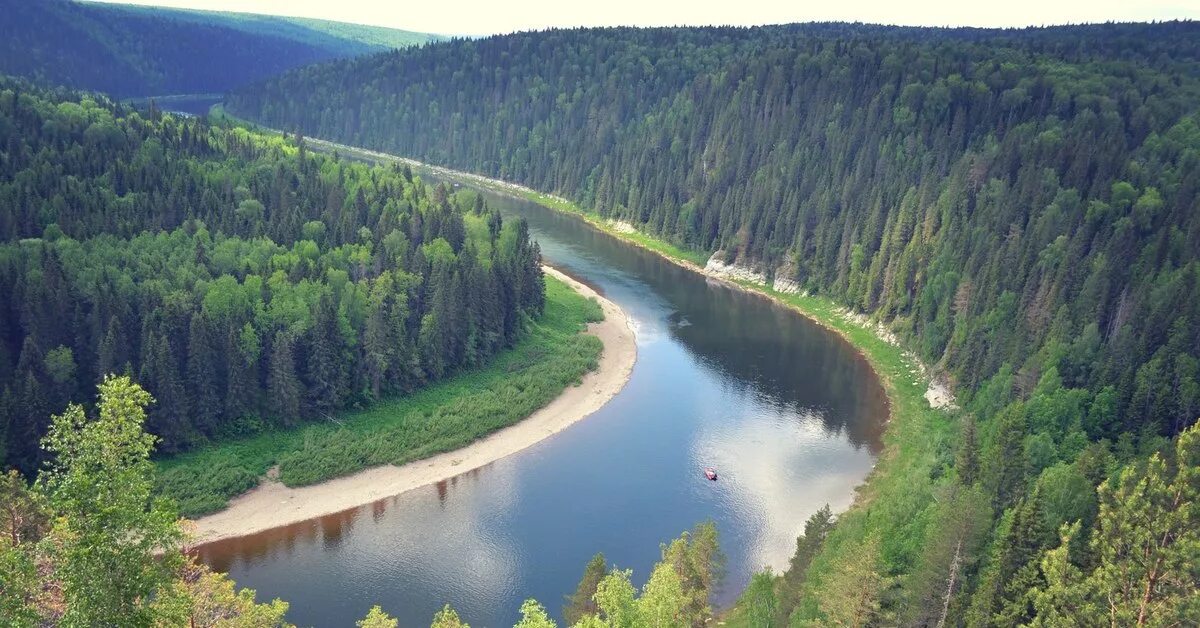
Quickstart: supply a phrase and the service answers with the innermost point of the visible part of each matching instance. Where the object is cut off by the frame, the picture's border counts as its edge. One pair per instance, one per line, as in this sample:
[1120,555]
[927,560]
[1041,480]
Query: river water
[787,412]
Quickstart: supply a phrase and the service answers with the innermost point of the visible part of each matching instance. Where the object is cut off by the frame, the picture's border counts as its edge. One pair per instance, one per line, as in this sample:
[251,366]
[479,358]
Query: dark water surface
[786,411]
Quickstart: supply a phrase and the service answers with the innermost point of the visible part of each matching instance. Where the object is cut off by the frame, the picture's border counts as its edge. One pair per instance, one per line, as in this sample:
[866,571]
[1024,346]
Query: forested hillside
[1023,207]
[145,51]
[243,281]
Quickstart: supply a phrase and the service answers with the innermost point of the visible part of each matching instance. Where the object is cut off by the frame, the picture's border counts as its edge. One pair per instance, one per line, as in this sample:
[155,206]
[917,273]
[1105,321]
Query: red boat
[710,473]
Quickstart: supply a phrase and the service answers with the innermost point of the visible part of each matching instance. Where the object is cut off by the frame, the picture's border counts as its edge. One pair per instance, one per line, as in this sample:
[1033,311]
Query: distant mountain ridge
[134,50]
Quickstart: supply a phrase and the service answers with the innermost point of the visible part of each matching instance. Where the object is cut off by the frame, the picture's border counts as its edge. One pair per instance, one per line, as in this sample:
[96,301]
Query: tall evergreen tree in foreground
[583,600]
[1147,549]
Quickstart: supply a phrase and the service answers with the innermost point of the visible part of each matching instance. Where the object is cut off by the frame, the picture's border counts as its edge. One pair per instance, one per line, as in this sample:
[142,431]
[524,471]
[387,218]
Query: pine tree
[376,618]
[1014,560]
[203,378]
[853,594]
[31,412]
[169,415]
[582,601]
[447,617]
[816,528]
[112,356]
[966,461]
[1147,544]
[283,386]
[242,387]
[326,359]
[1004,468]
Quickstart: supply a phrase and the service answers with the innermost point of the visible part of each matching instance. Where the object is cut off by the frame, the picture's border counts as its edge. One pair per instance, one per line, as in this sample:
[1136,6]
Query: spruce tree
[326,359]
[283,386]
[204,380]
[582,602]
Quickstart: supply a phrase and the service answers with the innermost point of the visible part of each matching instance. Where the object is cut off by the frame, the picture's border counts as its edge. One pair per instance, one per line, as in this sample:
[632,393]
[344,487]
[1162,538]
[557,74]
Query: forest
[146,51]
[244,282]
[1020,206]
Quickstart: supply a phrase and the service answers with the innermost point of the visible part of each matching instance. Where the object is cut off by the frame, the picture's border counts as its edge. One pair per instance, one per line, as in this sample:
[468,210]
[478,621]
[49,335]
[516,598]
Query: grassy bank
[896,501]
[552,355]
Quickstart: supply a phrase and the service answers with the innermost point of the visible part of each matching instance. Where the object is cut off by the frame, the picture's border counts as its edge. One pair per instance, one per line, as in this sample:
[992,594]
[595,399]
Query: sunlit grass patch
[552,354]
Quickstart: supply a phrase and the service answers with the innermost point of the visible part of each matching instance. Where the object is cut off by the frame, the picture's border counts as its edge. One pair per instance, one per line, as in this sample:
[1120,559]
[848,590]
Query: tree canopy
[1021,206]
[244,281]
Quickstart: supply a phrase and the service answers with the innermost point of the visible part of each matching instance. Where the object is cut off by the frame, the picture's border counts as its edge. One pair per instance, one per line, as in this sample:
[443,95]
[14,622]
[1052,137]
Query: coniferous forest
[243,281]
[1021,206]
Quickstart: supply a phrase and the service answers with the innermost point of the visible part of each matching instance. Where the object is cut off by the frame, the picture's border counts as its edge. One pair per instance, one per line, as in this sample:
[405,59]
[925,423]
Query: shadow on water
[787,411]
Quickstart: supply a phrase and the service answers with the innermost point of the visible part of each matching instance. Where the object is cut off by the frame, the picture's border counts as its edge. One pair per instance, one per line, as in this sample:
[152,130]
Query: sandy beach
[272,504]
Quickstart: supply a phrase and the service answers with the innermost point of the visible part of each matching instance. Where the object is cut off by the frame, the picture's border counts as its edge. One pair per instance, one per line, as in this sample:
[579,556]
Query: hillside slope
[1021,206]
[142,51]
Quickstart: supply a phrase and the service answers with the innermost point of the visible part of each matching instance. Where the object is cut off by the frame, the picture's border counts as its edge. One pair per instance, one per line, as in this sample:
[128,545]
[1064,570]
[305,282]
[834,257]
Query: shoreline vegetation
[572,361]
[922,411]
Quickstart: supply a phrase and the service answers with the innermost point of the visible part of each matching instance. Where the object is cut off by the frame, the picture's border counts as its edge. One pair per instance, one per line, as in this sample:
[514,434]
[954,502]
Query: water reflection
[786,411]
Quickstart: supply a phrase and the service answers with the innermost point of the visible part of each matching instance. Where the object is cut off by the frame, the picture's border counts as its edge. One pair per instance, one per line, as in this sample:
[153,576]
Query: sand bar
[271,504]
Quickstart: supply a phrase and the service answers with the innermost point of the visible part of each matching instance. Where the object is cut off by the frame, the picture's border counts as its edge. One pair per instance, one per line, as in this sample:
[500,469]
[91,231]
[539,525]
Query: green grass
[896,500]
[552,355]
[652,243]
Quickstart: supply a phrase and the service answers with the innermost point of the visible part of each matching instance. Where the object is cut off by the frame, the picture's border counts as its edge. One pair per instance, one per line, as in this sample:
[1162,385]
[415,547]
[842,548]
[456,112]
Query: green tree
[816,528]
[447,618]
[115,546]
[202,598]
[283,386]
[19,585]
[1005,466]
[615,595]
[202,375]
[1147,543]
[853,594]
[23,516]
[23,521]
[326,360]
[376,618]
[60,366]
[966,460]
[533,615]
[663,602]
[758,603]
[1002,591]
[582,601]
[960,525]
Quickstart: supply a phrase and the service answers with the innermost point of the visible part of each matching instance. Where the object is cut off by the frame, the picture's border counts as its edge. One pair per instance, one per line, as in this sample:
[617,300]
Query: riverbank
[893,502]
[271,504]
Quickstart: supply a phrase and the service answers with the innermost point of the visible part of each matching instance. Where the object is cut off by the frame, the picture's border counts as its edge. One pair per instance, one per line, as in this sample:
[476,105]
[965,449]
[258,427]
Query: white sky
[479,17]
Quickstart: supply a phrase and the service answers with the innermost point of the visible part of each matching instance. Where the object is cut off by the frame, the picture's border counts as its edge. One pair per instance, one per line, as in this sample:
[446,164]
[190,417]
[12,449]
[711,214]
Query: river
[786,411]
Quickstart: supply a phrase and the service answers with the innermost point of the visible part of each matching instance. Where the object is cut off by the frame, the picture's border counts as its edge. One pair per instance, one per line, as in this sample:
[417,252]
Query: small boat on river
[710,473]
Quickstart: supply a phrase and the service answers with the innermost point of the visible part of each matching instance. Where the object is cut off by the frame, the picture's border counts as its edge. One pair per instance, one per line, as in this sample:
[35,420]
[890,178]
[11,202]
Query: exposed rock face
[718,268]
[782,284]
[620,226]
[939,396]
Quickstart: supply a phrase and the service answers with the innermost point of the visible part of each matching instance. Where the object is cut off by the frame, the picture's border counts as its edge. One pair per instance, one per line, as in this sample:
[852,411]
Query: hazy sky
[477,17]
